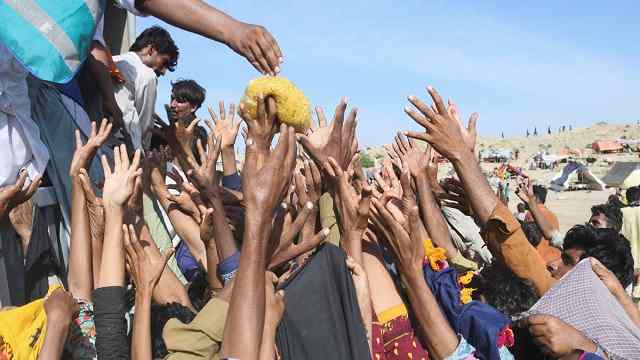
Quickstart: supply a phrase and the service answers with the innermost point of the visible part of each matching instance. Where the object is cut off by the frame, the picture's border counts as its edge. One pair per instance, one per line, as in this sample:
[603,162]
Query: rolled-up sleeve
[508,243]
[130,6]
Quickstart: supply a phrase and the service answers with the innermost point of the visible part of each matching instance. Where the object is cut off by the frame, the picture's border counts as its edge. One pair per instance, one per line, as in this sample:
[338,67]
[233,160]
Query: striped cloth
[581,300]
[50,39]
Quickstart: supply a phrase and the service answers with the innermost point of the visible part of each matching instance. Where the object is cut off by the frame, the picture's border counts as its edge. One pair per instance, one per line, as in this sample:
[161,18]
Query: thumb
[167,255]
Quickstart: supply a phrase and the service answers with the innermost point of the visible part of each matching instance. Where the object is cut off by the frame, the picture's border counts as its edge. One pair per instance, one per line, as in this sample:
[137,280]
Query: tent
[576,176]
[624,174]
[495,155]
[607,146]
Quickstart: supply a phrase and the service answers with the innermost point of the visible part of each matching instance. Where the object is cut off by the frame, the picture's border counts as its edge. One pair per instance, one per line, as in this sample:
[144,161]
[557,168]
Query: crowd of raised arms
[180,250]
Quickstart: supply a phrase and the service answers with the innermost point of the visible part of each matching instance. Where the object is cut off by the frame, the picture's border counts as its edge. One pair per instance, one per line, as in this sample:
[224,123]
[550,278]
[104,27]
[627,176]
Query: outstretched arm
[253,42]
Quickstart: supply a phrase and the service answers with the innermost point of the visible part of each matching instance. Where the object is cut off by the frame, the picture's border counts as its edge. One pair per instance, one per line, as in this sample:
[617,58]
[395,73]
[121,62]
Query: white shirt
[136,97]
[20,144]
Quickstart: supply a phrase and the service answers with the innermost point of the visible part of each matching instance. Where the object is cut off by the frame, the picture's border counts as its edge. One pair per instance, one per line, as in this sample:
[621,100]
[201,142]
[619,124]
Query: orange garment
[508,243]
[546,251]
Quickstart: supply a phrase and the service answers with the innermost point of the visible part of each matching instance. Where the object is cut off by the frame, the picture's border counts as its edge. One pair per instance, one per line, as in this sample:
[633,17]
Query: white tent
[576,176]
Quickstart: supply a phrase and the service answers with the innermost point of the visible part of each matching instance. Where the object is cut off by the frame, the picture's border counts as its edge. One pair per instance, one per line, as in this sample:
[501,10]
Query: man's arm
[98,61]
[253,42]
[525,193]
[59,308]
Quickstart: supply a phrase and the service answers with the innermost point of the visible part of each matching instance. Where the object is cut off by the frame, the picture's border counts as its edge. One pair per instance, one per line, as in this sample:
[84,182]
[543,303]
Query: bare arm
[98,62]
[525,193]
[253,42]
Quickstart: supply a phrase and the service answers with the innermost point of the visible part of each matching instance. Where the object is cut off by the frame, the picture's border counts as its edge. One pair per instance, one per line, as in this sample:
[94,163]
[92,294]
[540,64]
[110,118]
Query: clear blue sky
[518,65]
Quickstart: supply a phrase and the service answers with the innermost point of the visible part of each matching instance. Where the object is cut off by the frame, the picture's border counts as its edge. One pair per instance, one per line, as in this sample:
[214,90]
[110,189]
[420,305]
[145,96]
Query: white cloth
[136,97]
[130,6]
[20,144]
[98,35]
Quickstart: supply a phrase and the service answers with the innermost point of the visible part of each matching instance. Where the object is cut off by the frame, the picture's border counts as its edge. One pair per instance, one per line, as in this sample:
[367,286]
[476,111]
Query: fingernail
[284,205]
[407,109]
[430,88]
[277,69]
[249,142]
[281,59]
[405,133]
[325,232]
[411,97]
[309,205]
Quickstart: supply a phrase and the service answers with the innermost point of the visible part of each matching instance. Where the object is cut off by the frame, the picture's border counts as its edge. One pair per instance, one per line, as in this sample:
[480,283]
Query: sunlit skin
[599,221]
[158,62]
[561,266]
[180,108]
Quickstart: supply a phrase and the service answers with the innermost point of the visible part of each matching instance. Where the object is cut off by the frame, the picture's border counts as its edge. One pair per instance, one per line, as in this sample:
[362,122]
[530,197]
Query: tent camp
[623,174]
[495,155]
[606,146]
[576,176]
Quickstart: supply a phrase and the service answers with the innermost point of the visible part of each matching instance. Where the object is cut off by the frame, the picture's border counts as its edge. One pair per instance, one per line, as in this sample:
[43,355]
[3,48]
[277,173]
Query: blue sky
[518,65]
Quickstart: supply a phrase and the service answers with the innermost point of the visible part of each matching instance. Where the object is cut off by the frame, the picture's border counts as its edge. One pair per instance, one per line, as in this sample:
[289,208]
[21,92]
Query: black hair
[532,232]
[612,213]
[540,192]
[198,133]
[522,207]
[189,91]
[607,245]
[633,194]
[615,201]
[503,290]
[160,314]
[160,40]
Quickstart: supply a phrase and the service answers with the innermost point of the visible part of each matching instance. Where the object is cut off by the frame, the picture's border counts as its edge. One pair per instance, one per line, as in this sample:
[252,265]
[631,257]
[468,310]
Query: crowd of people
[180,249]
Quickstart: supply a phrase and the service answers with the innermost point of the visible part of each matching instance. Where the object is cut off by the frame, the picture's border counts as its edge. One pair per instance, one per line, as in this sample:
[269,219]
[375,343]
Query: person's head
[499,287]
[532,232]
[540,192]
[156,50]
[186,97]
[522,207]
[606,245]
[633,194]
[606,216]
[160,314]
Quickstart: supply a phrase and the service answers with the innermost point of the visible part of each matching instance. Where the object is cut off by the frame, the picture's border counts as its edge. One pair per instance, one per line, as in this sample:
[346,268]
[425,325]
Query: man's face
[159,63]
[599,221]
[180,108]
[568,259]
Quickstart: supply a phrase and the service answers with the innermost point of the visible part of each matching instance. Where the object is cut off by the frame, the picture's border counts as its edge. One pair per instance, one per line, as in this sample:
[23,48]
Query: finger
[130,252]
[317,177]
[137,246]
[299,222]
[338,118]
[33,187]
[282,148]
[212,113]
[311,149]
[404,144]
[193,124]
[538,319]
[269,55]
[274,45]
[365,201]
[221,110]
[418,135]
[260,59]
[232,112]
[437,100]
[301,188]
[335,167]
[124,157]
[22,178]
[422,107]
[473,120]
[137,156]
[322,119]
[78,140]
[419,118]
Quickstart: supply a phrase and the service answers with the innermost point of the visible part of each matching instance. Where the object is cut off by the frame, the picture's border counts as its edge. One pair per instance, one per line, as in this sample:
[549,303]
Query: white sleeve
[130,6]
[557,240]
[98,36]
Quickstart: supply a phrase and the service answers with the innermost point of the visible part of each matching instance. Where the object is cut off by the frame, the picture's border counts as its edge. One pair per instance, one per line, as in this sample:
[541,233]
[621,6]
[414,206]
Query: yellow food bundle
[292,105]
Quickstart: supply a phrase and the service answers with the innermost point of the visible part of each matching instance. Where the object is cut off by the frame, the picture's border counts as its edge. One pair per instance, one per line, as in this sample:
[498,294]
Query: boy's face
[561,266]
[180,108]
[158,62]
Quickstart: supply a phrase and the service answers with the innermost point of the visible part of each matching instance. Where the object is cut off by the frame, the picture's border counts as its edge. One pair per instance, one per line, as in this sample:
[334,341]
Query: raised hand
[120,183]
[263,127]
[144,270]
[95,207]
[225,128]
[340,143]
[525,190]
[455,196]
[256,44]
[407,150]
[265,187]
[84,153]
[469,133]
[14,195]
[60,306]
[204,175]
[406,245]
[442,130]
